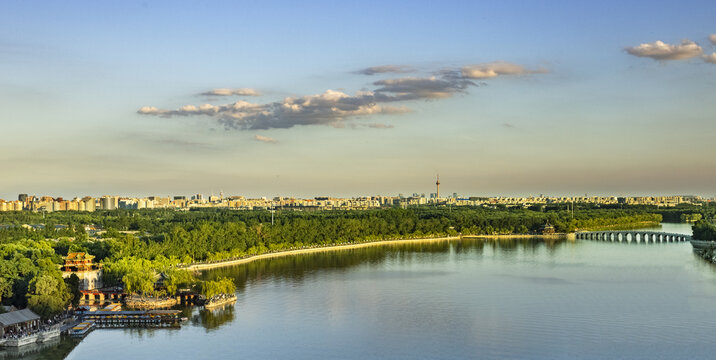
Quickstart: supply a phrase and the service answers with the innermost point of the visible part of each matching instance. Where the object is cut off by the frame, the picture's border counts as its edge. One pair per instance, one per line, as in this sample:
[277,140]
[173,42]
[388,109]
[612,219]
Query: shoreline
[339,247]
[219,264]
[348,246]
[555,236]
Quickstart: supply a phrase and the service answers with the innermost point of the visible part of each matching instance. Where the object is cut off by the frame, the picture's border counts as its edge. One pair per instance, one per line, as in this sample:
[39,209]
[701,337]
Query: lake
[501,299]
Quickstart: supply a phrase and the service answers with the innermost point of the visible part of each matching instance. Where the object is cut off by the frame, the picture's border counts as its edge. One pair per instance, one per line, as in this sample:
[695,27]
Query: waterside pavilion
[16,322]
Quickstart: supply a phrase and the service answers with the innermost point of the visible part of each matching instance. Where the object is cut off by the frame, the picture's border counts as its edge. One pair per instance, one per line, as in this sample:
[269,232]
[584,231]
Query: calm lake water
[520,299]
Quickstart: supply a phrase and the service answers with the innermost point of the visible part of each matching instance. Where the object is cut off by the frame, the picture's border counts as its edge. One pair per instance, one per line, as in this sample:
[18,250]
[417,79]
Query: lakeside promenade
[348,246]
[337,247]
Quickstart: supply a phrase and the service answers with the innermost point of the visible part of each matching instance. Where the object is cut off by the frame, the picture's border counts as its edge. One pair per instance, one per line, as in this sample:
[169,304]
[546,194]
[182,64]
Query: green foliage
[73,286]
[138,281]
[176,279]
[704,230]
[211,288]
[139,244]
[47,294]
[690,217]
[30,276]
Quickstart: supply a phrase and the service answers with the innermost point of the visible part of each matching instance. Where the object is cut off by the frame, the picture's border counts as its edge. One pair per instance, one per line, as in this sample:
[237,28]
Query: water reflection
[215,318]
[297,268]
[57,348]
[475,298]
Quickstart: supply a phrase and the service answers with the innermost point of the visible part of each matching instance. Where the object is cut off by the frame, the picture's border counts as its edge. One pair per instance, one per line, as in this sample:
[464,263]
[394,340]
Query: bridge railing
[632,236]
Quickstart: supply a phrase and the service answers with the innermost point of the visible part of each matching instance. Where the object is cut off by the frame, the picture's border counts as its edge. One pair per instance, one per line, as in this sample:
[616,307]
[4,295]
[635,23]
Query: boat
[82,329]
[112,307]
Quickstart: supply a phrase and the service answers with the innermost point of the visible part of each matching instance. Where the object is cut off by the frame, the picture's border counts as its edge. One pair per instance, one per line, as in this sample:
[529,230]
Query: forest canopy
[136,246]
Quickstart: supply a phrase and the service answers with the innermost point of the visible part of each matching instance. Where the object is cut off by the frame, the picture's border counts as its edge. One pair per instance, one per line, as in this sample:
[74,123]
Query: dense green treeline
[217,234]
[30,276]
[704,230]
[138,245]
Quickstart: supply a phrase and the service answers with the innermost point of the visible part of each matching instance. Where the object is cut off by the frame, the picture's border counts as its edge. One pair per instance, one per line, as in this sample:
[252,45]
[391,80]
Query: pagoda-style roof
[547,228]
[17,317]
[79,256]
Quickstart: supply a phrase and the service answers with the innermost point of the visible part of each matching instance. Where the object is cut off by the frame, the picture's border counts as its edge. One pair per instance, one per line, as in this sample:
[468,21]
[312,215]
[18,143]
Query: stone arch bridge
[630,236]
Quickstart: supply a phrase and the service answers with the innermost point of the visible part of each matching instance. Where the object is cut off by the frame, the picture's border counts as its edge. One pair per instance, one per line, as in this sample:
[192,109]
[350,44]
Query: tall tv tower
[437,183]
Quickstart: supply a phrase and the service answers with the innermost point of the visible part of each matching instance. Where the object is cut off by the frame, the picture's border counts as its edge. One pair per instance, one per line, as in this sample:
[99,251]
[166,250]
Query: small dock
[122,319]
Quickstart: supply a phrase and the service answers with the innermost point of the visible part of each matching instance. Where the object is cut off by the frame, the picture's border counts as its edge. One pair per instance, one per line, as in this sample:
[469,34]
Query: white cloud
[412,88]
[495,69]
[712,38]
[380,126]
[232,92]
[265,139]
[337,108]
[661,51]
[399,69]
[710,58]
[330,108]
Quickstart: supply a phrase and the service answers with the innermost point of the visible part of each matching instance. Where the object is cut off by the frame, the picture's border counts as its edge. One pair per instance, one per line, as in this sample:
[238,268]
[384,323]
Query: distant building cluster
[664,201]
[49,204]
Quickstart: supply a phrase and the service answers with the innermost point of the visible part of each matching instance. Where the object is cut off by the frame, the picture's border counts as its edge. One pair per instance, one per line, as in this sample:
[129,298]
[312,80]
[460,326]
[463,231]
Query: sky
[334,98]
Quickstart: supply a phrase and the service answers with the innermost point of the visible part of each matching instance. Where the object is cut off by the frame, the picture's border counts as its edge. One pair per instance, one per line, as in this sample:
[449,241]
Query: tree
[704,230]
[48,295]
[221,286]
[73,286]
[177,278]
[139,281]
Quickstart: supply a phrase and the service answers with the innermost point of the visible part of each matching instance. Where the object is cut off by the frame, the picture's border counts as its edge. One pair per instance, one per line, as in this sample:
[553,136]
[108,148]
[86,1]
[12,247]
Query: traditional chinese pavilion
[83,265]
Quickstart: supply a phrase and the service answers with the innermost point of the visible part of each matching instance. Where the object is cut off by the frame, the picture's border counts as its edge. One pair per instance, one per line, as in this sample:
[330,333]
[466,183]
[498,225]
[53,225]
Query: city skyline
[428,193]
[43,204]
[321,99]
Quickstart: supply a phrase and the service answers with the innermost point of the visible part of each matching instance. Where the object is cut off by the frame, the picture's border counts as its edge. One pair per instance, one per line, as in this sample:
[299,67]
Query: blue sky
[568,111]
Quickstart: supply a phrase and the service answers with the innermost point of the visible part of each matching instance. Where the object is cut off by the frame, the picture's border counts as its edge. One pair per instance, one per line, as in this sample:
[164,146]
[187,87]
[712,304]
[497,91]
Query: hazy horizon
[357,99]
[443,194]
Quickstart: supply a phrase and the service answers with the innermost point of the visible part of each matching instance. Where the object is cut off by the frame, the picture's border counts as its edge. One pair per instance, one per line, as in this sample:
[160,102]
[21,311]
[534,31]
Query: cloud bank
[331,108]
[396,69]
[337,108]
[710,58]
[495,69]
[414,88]
[232,92]
[380,126]
[662,51]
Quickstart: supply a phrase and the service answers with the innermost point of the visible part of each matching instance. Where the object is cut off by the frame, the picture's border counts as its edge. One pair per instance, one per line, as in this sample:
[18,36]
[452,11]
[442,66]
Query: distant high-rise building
[107,203]
[87,204]
[437,184]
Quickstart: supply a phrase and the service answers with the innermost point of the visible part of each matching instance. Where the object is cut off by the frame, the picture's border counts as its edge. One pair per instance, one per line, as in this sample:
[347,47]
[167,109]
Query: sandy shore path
[219,264]
[199,267]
